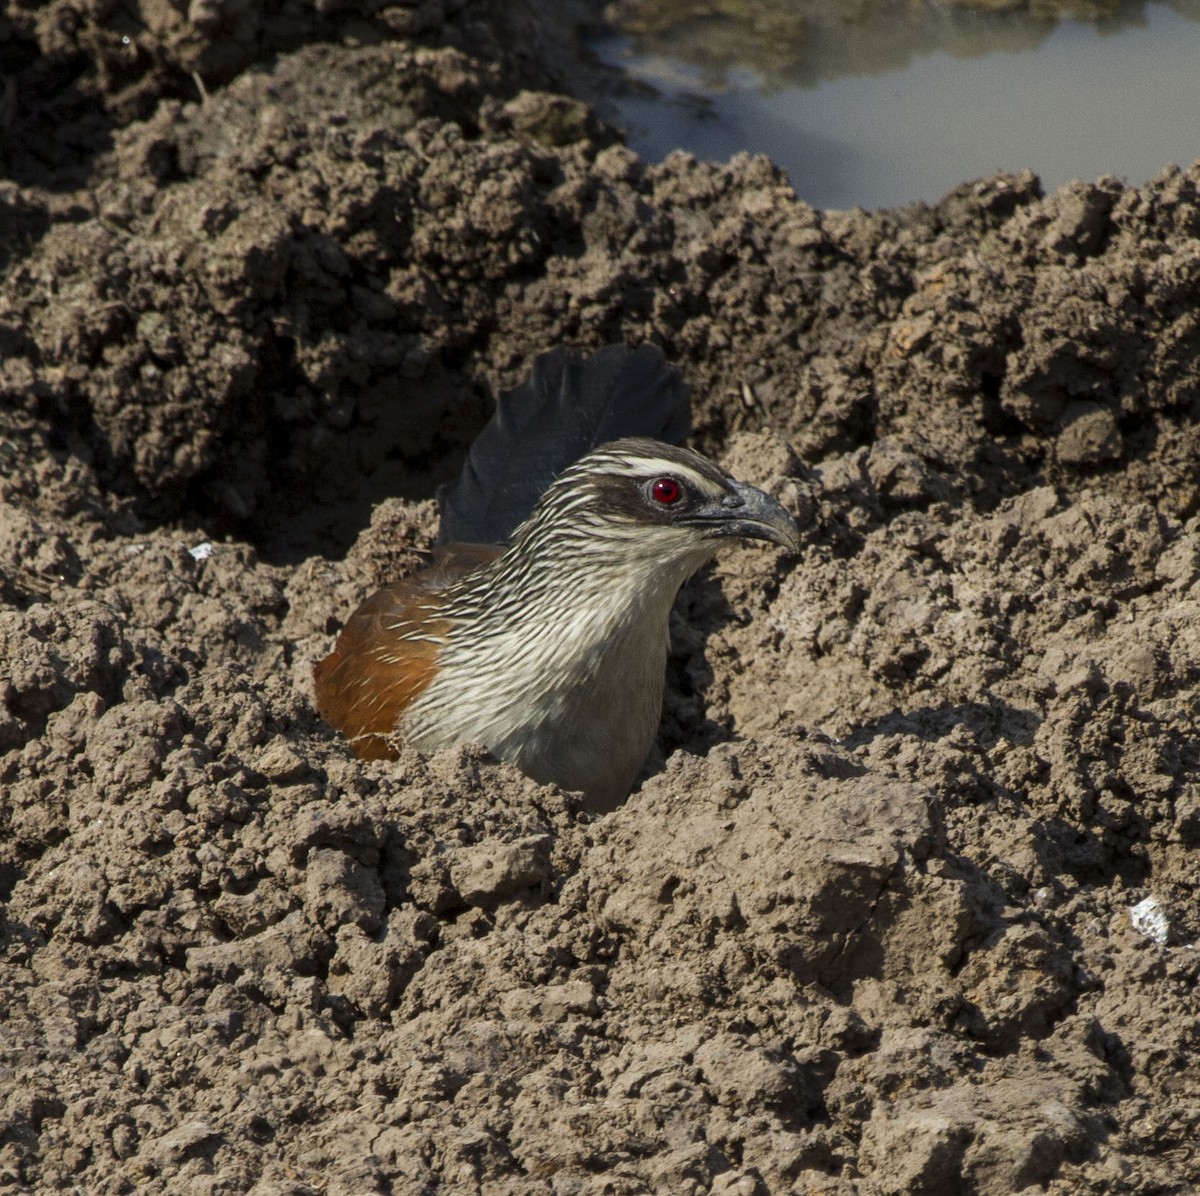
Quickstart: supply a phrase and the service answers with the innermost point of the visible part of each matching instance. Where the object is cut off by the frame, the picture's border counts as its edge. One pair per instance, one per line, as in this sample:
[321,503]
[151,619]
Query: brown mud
[866,927]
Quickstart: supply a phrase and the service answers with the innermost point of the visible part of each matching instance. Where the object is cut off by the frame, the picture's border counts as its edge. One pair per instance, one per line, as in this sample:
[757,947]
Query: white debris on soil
[1149,918]
[202,551]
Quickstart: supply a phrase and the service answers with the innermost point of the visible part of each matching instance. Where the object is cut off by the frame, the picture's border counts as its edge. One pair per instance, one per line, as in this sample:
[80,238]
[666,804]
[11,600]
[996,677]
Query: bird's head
[649,500]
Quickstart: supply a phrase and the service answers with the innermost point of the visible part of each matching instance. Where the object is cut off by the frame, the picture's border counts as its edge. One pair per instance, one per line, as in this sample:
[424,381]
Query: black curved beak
[751,514]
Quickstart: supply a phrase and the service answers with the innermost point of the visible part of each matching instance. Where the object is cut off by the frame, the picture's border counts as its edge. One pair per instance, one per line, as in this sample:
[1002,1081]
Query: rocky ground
[907,902]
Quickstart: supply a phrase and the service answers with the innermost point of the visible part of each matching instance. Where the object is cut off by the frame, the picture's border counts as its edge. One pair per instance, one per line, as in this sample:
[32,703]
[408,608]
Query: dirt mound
[907,902]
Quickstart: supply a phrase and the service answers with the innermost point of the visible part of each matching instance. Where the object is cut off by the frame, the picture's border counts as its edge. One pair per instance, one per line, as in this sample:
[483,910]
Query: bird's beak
[750,513]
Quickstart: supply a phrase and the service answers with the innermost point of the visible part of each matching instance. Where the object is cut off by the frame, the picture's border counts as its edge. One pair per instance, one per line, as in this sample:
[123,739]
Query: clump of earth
[906,901]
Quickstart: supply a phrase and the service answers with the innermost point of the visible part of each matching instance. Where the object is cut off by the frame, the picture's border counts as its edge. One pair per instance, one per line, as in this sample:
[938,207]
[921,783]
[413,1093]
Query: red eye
[666,491]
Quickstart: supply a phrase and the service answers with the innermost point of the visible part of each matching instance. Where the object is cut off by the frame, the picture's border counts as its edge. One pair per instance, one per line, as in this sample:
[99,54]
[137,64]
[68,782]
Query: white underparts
[570,690]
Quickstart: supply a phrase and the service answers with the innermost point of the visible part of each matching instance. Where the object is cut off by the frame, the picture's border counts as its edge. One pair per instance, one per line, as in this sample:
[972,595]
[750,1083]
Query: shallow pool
[908,103]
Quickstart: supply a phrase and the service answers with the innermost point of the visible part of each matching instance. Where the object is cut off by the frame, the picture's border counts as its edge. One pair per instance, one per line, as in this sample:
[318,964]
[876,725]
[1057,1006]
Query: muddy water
[904,104]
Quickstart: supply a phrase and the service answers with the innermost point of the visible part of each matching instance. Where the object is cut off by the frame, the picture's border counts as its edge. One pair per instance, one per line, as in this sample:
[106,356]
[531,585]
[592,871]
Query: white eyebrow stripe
[647,467]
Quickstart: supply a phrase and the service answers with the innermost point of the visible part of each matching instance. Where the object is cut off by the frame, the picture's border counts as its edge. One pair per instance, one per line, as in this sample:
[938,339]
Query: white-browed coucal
[540,628]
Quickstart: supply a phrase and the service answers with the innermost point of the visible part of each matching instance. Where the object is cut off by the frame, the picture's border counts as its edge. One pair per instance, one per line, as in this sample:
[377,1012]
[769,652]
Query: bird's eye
[666,491]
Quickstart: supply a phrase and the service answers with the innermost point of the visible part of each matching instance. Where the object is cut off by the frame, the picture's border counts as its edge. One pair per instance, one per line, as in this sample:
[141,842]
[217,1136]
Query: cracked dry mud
[866,926]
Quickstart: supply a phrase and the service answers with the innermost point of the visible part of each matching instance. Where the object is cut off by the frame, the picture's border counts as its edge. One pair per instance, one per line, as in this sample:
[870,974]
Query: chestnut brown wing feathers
[388,652]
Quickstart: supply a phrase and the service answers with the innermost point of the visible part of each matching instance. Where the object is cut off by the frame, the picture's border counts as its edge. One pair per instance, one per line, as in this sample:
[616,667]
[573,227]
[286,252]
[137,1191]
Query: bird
[540,627]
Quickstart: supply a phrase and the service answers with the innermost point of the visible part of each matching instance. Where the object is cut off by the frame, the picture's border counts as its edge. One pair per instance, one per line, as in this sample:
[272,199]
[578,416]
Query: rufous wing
[387,653]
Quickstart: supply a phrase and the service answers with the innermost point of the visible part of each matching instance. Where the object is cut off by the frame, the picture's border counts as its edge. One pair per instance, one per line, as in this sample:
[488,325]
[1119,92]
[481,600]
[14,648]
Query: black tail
[567,406]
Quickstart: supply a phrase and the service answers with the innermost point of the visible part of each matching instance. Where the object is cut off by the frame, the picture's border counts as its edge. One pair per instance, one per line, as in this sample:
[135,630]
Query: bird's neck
[581,593]
[557,663]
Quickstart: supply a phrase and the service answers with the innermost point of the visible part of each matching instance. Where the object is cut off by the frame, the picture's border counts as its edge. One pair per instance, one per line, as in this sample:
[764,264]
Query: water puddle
[902,102]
